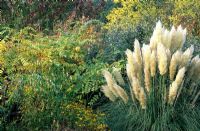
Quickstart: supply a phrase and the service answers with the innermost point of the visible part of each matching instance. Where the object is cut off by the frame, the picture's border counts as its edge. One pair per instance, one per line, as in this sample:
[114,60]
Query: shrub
[116,41]
[163,86]
[185,12]
[47,75]
[130,13]
[46,102]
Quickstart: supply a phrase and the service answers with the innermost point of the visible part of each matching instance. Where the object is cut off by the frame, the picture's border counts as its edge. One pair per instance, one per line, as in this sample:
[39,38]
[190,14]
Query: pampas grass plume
[105,89]
[138,53]
[153,63]
[121,92]
[178,38]
[136,87]
[173,64]
[180,75]
[142,98]
[172,92]
[117,75]
[146,51]
[110,81]
[162,59]
[186,57]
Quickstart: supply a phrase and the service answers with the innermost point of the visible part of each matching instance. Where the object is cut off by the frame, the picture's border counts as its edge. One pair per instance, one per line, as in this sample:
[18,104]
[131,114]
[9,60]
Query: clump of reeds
[159,74]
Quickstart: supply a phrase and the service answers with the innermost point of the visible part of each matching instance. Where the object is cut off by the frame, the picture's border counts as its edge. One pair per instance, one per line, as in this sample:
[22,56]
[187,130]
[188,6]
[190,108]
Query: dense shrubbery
[52,57]
[46,101]
[46,72]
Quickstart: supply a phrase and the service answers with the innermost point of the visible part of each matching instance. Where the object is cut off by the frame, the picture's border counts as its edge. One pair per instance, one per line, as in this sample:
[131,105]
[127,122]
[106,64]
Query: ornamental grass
[160,90]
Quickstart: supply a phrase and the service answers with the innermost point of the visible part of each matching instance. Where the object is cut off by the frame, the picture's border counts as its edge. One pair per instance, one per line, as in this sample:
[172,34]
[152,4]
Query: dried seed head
[132,65]
[174,64]
[118,76]
[128,71]
[180,75]
[172,92]
[168,52]
[110,81]
[147,79]
[178,38]
[146,53]
[166,39]
[129,55]
[186,57]
[121,92]
[153,63]
[136,87]
[138,53]
[162,59]
[105,89]
[142,98]
[157,36]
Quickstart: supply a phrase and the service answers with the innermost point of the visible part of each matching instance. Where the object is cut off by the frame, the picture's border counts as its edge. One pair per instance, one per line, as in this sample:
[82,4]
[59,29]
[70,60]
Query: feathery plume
[186,57]
[117,75]
[136,87]
[168,52]
[110,81]
[166,39]
[138,57]
[132,65]
[173,38]
[105,89]
[175,85]
[153,63]
[138,53]
[146,51]
[182,35]
[157,35]
[128,71]
[147,79]
[178,38]
[121,92]
[172,92]
[162,59]
[129,55]
[180,75]
[174,64]
[142,98]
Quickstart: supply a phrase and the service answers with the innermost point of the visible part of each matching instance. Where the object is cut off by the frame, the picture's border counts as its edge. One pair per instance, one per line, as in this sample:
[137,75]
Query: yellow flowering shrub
[86,118]
[130,13]
[124,16]
[186,12]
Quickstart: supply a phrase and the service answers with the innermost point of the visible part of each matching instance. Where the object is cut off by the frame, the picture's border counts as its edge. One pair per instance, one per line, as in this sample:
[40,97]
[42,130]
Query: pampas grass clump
[161,91]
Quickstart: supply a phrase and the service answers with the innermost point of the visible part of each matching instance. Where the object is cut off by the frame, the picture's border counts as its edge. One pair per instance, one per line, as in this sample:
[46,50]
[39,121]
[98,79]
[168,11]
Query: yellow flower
[77,49]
